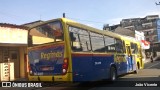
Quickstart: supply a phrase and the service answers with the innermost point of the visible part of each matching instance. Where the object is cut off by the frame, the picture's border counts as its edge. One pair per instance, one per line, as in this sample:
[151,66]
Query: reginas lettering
[50,55]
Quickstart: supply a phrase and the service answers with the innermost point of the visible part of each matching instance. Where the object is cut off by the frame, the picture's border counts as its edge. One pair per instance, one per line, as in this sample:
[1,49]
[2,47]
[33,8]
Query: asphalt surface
[150,74]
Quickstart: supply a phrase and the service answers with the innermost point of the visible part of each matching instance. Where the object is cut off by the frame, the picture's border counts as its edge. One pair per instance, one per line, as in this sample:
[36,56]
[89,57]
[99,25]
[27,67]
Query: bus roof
[79,25]
[89,28]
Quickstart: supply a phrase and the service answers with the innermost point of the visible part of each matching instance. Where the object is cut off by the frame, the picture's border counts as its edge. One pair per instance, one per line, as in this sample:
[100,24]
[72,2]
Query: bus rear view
[46,53]
[64,50]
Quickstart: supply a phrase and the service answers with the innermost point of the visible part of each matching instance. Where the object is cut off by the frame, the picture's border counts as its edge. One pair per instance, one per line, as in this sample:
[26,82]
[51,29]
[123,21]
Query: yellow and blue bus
[64,50]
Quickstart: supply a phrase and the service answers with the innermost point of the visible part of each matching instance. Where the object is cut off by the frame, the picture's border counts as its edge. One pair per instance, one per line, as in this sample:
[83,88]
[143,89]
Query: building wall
[147,25]
[16,54]
[124,31]
[11,53]
[13,46]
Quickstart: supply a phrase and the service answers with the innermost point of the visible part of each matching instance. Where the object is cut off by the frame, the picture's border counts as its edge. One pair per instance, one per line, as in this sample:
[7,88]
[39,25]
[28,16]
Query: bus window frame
[30,37]
[119,44]
[135,47]
[102,37]
[114,39]
[72,26]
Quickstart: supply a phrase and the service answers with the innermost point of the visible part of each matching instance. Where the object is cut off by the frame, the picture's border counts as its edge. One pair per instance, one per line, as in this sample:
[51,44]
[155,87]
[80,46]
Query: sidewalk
[21,79]
[149,60]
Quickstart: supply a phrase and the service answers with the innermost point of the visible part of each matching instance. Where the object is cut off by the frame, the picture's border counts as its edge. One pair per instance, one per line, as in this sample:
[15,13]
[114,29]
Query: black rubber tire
[136,71]
[137,68]
[113,74]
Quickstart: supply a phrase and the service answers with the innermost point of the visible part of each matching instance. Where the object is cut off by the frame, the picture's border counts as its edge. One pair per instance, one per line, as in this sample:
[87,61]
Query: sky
[94,13]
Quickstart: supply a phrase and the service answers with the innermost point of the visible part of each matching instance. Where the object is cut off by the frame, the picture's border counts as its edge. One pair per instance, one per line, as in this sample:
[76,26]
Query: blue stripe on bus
[87,67]
[90,68]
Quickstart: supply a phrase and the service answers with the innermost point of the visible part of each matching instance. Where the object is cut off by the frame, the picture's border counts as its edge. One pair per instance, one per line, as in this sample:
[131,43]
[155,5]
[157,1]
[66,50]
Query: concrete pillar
[22,51]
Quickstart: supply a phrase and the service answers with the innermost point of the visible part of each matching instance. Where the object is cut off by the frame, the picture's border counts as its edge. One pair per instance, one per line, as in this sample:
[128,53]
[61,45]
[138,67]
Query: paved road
[150,74]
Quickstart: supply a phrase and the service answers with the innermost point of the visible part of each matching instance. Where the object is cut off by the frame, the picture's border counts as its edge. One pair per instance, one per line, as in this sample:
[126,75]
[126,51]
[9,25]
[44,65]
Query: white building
[140,37]
[13,47]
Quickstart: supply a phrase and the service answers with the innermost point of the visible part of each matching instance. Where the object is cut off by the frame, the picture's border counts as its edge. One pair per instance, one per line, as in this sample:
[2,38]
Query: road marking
[153,65]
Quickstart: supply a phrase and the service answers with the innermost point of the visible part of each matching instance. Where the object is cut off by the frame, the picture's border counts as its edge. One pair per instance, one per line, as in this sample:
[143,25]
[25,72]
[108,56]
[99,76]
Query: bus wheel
[113,74]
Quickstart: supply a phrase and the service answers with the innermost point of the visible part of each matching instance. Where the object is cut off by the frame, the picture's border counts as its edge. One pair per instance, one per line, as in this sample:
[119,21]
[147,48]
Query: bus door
[129,58]
[141,57]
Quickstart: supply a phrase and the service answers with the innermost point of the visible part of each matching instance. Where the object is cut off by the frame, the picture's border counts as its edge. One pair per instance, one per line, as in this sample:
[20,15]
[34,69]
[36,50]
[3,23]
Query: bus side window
[75,44]
[72,36]
[110,44]
[134,48]
[79,39]
[97,42]
[119,46]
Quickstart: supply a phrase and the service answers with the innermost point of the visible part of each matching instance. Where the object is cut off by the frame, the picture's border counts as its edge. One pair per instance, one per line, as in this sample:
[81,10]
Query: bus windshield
[46,33]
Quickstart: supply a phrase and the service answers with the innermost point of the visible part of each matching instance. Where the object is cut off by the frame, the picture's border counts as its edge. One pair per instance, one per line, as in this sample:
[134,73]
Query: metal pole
[64,15]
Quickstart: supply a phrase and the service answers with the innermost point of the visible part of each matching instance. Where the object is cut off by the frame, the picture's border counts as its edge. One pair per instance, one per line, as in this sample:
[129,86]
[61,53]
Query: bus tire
[113,74]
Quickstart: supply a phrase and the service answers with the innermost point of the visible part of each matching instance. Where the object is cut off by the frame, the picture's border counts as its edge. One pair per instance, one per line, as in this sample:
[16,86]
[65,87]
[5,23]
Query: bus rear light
[65,66]
[65,61]
[64,71]
[30,71]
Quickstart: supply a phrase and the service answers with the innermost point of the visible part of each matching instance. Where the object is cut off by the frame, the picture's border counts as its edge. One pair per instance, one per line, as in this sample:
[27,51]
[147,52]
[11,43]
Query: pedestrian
[151,57]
